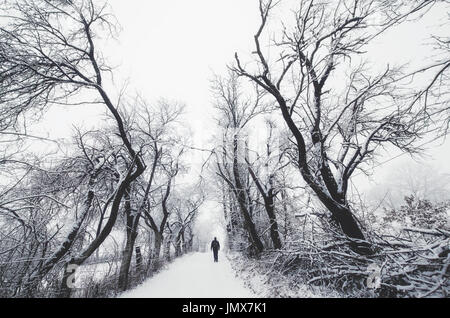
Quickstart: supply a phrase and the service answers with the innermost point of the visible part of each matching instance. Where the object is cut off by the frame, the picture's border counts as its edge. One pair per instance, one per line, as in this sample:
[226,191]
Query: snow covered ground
[265,283]
[193,276]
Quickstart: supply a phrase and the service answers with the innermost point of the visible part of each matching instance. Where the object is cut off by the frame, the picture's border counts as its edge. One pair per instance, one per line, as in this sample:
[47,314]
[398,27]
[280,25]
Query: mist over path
[193,276]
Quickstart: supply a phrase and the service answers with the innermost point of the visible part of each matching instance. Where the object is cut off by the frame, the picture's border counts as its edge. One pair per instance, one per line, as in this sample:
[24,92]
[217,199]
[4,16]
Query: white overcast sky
[171,48]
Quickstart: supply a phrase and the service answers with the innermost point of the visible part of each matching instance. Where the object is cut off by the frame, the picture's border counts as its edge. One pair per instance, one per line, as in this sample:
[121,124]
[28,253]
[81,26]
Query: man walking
[215,246]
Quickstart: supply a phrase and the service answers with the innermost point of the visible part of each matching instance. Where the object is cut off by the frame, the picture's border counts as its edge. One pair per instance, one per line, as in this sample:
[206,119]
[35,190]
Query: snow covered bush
[420,213]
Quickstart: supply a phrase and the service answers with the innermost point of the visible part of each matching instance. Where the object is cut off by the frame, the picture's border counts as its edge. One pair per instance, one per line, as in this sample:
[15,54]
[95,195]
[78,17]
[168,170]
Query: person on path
[215,246]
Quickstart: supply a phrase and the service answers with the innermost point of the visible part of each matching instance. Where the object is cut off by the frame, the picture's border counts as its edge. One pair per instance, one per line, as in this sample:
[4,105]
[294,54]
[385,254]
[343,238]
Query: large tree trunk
[338,208]
[104,233]
[274,234]
[249,225]
[184,244]
[178,249]
[269,206]
[167,249]
[127,253]
[242,201]
[157,250]
[65,291]
[342,214]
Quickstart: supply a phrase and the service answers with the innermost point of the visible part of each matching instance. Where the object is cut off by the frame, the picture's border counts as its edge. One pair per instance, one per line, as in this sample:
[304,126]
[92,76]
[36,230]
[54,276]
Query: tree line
[57,212]
[322,113]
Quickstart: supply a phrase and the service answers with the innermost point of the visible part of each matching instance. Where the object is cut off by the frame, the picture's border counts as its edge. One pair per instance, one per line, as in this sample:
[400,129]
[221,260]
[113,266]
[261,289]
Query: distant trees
[180,225]
[254,189]
[236,110]
[153,126]
[339,112]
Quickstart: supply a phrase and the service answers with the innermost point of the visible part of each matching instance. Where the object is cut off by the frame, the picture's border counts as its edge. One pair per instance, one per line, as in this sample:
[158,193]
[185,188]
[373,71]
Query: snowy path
[193,276]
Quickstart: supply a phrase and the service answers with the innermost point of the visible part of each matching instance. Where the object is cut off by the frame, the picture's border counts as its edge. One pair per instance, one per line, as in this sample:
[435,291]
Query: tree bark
[340,211]
[274,234]
[127,253]
[167,249]
[325,185]
[132,227]
[242,200]
[157,250]
[269,205]
[33,279]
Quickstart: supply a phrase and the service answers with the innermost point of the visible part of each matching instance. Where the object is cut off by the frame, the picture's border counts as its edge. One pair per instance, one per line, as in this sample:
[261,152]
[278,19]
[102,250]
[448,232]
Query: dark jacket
[215,245]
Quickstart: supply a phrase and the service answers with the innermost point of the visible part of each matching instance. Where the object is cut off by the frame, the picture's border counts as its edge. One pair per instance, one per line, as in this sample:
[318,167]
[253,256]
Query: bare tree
[172,170]
[336,130]
[48,56]
[153,126]
[186,209]
[272,163]
[236,111]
